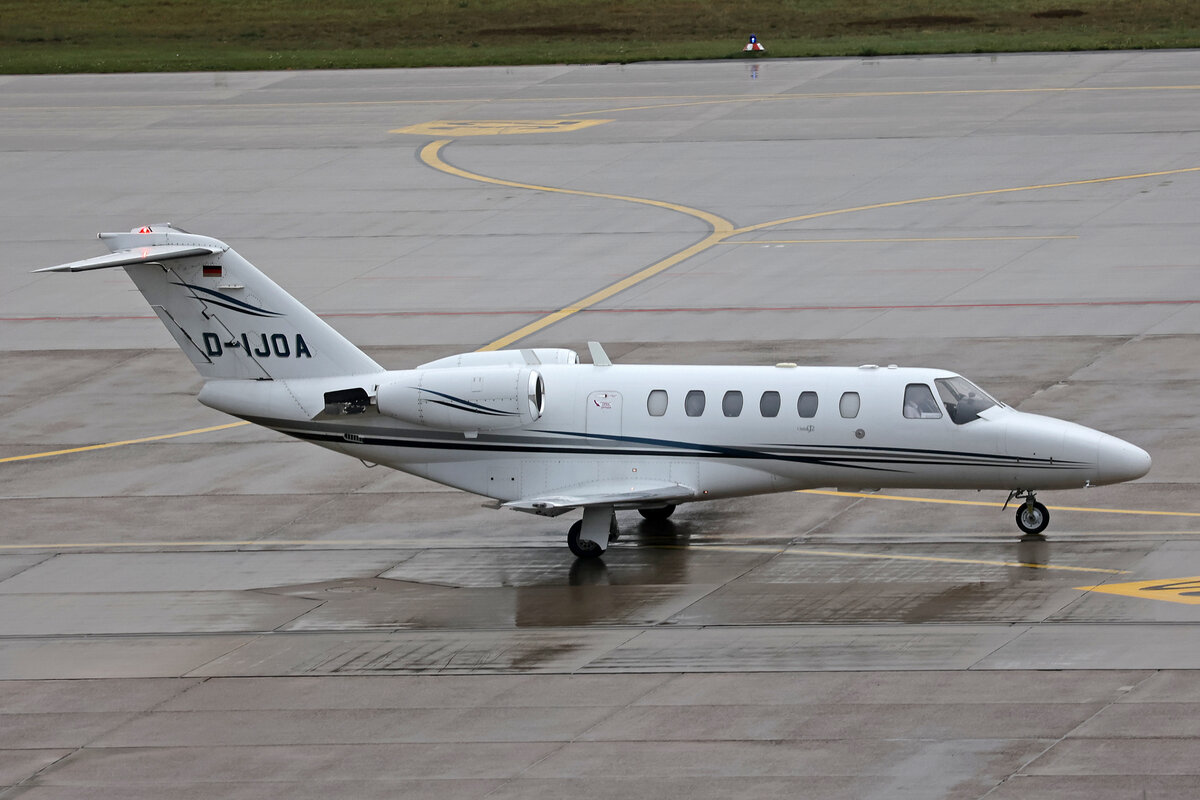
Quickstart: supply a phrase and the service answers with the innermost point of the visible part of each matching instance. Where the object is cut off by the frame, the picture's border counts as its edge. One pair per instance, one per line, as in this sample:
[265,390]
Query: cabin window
[693,403]
[806,406]
[731,404]
[964,400]
[919,402]
[768,404]
[656,403]
[849,404]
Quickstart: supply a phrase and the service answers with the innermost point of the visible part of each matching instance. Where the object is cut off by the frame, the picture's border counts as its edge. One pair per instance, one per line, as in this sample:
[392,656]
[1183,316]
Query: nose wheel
[1032,516]
[1032,519]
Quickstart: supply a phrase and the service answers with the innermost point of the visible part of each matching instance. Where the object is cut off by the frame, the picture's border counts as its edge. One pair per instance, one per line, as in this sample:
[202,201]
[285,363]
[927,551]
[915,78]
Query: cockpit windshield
[964,400]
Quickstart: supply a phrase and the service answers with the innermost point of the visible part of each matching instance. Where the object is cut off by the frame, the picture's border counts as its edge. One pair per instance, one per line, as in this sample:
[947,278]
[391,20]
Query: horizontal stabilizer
[140,255]
[232,321]
[607,493]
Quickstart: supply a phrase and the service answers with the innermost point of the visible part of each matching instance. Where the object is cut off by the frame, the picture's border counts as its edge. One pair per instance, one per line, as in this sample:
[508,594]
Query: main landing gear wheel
[657,514]
[585,548]
[582,548]
[1032,518]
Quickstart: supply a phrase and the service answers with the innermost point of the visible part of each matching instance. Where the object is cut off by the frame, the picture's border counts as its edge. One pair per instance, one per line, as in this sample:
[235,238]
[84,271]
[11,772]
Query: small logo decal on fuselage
[266,345]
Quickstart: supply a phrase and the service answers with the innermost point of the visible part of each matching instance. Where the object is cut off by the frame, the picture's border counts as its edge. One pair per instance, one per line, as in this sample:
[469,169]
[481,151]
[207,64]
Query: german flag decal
[212,272]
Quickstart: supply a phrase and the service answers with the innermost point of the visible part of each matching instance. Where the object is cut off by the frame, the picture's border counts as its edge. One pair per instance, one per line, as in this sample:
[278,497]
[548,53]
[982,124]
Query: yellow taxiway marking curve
[987,504]
[720,228]
[430,154]
[106,445]
[497,127]
[1176,590]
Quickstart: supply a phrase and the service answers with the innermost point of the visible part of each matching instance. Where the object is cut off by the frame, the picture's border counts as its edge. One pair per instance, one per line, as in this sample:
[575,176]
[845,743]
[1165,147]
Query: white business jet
[537,431]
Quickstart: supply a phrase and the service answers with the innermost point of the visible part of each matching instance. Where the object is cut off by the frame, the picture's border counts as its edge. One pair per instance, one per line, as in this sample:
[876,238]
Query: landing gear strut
[1032,516]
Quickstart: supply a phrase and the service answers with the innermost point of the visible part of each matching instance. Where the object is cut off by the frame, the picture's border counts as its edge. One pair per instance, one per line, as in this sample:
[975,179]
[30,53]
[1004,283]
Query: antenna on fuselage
[599,357]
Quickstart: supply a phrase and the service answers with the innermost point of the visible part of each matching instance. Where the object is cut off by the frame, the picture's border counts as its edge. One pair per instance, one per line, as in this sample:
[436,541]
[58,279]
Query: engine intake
[485,399]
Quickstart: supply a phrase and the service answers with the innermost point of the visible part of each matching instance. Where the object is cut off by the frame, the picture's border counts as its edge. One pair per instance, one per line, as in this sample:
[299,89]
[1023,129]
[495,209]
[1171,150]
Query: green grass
[165,35]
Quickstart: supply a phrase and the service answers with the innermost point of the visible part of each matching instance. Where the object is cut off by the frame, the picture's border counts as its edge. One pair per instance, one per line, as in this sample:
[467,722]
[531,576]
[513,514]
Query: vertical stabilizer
[230,319]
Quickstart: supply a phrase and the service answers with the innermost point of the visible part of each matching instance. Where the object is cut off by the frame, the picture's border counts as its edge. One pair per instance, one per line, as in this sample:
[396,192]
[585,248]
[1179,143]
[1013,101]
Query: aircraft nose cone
[1119,461]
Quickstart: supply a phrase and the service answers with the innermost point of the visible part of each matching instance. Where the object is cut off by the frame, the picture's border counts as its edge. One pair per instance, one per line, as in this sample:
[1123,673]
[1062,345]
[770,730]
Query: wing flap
[619,494]
[140,255]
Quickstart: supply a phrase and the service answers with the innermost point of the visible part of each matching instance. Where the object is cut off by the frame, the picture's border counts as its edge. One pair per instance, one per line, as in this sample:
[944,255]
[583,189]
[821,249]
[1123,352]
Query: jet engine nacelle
[478,399]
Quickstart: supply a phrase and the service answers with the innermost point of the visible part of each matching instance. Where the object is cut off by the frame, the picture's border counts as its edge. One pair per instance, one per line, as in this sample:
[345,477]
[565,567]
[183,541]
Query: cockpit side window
[964,400]
[919,402]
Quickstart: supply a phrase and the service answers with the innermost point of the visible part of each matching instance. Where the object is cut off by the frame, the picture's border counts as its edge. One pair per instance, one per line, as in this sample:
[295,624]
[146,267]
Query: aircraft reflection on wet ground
[667,575]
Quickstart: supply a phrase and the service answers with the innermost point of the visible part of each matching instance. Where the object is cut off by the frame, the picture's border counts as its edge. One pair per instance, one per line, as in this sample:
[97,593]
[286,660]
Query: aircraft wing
[140,255]
[620,494]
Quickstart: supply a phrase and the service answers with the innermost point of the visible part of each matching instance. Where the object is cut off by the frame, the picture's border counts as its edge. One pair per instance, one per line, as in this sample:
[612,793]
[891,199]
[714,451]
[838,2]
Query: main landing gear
[590,536]
[657,514]
[1032,516]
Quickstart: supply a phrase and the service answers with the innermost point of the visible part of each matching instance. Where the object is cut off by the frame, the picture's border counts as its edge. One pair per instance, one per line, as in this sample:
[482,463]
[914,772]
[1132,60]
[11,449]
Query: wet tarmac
[233,613]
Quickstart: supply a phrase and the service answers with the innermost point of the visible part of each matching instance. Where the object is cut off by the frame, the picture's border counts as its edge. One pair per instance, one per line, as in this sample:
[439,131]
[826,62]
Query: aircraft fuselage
[723,430]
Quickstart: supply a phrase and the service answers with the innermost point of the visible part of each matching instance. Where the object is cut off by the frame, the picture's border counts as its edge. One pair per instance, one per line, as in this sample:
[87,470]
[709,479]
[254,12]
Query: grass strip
[176,35]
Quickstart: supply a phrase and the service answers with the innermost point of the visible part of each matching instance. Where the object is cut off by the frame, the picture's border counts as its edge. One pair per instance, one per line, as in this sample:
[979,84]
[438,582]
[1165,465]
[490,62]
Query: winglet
[599,357]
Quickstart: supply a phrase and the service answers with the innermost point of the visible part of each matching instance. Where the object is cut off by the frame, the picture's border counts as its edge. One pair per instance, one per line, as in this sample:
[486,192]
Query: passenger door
[603,414]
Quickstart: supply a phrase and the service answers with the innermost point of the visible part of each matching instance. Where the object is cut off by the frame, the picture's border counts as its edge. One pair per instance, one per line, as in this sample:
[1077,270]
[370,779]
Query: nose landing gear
[1032,516]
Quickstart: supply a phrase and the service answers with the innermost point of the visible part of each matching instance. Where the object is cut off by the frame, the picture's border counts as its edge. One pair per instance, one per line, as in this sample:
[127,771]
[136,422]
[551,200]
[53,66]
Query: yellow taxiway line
[265,544]
[904,239]
[962,196]
[804,550]
[776,98]
[987,504]
[160,437]
[603,294]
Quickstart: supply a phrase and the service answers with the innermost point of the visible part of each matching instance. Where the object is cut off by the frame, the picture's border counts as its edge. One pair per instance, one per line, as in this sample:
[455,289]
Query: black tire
[1032,518]
[584,548]
[657,514]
